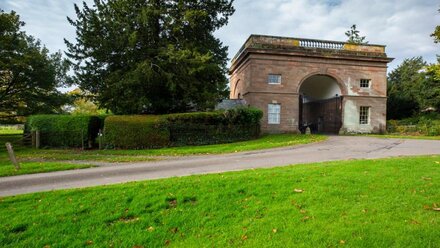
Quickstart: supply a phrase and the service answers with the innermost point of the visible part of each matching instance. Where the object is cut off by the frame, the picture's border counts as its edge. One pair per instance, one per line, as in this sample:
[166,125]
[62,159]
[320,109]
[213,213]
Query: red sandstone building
[329,86]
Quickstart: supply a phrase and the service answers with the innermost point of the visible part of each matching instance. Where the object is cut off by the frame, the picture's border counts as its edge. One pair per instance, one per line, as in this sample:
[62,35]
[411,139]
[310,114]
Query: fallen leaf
[150,229]
[305,218]
[244,237]
[342,241]
[436,209]
[427,178]
[415,222]
[298,190]
[174,230]
[89,242]
[274,230]
[437,162]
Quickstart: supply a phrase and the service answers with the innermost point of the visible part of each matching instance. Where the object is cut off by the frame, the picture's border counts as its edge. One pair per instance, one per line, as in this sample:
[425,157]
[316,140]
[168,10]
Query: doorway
[320,105]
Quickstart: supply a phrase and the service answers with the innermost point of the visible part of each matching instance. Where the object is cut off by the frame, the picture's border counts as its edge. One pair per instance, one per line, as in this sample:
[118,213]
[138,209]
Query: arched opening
[234,93]
[320,105]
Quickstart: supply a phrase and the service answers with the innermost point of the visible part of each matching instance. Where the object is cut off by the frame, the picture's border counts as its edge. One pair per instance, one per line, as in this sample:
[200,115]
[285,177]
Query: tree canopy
[413,87]
[29,75]
[150,55]
[436,33]
[354,37]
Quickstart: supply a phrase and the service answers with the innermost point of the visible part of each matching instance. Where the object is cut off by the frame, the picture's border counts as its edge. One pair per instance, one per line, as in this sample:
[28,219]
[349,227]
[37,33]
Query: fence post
[12,156]
[37,139]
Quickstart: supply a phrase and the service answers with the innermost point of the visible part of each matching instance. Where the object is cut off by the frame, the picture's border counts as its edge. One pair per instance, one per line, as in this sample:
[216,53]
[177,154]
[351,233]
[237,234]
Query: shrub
[419,125]
[202,128]
[135,132]
[64,130]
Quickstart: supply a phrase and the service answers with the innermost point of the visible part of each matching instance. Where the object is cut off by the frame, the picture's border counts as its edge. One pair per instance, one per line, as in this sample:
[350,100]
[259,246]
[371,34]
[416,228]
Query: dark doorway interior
[320,105]
[323,116]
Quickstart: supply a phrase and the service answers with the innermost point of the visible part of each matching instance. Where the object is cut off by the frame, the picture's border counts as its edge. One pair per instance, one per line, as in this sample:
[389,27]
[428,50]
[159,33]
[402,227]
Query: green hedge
[143,132]
[135,132]
[203,128]
[64,130]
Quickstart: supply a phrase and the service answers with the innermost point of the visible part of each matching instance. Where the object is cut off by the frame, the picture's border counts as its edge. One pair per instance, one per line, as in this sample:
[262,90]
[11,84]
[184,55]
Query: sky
[404,26]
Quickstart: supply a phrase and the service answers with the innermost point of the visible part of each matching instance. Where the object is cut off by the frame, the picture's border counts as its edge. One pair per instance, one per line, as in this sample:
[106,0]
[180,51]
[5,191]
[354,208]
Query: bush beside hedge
[64,130]
[135,132]
[203,128]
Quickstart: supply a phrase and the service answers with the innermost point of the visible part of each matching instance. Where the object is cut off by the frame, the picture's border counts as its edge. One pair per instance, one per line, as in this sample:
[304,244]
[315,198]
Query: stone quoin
[328,86]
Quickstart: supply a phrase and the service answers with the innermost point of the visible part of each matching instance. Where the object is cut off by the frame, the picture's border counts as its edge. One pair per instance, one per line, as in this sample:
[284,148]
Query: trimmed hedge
[64,130]
[202,128]
[135,132]
[143,132]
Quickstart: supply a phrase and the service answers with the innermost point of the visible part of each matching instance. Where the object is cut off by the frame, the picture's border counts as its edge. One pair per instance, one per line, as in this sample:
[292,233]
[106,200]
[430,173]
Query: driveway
[335,148]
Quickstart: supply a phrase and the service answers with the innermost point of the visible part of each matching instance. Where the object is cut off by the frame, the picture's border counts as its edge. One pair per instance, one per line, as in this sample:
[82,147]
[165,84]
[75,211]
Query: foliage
[357,203]
[198,128]
[436,33]
[414,86]
[29,75]
[214,127]
[151,56]
[83,104]
[354,37]
[426,124]
[135,132]
[65,130]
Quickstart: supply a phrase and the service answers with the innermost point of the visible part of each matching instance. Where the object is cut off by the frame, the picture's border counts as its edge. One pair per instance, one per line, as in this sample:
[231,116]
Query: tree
[431,87]
[354,37]
[413,86]
[29,75]
[83,105]
[151,56]
[436,33]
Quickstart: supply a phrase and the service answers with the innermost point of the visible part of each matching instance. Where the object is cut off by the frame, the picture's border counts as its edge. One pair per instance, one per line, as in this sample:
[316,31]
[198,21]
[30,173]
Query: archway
[320,104]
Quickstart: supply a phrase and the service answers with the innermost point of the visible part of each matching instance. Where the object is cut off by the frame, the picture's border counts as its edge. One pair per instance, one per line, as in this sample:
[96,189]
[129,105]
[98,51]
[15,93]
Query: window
[274,79]
[364,115]
[365,83]
[274,113]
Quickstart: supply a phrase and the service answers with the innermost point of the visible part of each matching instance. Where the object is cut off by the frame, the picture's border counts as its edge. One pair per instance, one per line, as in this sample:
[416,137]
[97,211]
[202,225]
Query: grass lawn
[7,169]
[360,203]
[62,157]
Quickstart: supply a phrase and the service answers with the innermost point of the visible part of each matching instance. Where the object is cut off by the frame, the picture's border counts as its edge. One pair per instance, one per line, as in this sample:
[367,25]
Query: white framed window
[365,83]
[364,115]
[273,113]
[274,79]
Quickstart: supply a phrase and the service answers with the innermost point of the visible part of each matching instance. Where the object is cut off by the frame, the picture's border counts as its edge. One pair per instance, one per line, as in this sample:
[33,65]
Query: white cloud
[45,19]
[403,25]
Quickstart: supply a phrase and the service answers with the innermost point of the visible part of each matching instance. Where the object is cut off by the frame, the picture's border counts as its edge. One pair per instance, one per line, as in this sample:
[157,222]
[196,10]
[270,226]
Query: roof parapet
[276,42]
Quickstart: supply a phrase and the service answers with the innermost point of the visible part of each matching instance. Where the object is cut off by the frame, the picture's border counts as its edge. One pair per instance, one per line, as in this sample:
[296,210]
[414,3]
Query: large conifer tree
[158,56]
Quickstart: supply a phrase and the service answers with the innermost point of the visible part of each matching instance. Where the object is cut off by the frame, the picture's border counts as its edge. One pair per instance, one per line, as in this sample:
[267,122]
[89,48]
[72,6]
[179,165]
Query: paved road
[335,148]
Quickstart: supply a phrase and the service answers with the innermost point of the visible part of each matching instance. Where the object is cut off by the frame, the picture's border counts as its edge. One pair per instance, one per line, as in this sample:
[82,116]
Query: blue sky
[403,25]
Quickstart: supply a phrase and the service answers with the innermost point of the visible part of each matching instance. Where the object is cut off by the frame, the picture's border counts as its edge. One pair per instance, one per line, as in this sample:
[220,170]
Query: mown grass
[39,167]
[64,157]
[365,203]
